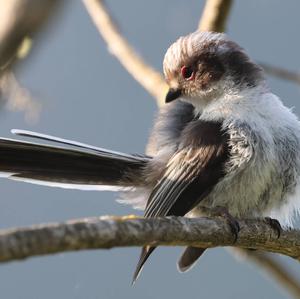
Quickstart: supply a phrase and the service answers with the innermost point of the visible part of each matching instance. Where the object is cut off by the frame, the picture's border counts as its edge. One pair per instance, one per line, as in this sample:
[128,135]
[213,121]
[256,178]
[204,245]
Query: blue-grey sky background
[86,95]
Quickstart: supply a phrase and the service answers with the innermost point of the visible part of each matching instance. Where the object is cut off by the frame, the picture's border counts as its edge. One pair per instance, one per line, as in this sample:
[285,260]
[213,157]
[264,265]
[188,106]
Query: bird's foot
[232,222]
[274,224]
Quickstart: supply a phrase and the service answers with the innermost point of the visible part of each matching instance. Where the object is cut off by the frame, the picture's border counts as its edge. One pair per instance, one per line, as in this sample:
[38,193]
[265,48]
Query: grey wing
[171,194]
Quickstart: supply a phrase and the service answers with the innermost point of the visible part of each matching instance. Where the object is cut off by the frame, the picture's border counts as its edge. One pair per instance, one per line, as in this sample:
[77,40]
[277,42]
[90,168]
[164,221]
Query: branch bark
[107,232]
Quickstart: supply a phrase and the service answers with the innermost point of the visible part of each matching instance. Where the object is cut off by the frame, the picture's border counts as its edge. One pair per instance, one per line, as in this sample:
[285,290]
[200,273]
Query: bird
[223,144]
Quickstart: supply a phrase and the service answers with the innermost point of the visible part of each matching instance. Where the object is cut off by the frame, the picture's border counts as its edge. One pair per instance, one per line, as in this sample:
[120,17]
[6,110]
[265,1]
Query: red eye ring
[187,73]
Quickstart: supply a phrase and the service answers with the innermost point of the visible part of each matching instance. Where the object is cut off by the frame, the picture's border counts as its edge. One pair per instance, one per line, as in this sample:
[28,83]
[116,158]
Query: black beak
[172,95]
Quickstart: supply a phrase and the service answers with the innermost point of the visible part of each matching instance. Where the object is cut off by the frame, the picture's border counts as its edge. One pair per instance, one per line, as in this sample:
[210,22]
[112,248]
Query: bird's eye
[187,73]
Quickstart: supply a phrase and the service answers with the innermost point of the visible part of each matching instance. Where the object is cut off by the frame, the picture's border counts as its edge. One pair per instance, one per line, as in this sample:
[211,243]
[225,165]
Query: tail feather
[189,258]
[59,165]
[145,253]
[35,135]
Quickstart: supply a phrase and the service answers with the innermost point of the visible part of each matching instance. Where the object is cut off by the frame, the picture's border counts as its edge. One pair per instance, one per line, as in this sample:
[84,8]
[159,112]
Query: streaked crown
[211,56]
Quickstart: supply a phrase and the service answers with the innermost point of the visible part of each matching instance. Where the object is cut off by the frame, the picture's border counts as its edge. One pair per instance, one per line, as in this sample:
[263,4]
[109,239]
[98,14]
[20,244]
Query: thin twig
[281,73]
[149,78]
[215,15]
[274,268]
[107,232]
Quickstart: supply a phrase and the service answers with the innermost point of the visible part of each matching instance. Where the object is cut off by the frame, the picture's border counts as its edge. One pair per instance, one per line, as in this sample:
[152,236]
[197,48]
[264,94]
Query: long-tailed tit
[223,140]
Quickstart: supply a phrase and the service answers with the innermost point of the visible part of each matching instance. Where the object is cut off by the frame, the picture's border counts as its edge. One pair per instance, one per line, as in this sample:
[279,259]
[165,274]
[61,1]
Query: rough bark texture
[107,232]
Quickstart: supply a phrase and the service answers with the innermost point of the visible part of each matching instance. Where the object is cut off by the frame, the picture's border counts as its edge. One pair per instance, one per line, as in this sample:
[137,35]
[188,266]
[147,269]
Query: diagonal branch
[281,73]
[143,73]
[274,268]
[107,232]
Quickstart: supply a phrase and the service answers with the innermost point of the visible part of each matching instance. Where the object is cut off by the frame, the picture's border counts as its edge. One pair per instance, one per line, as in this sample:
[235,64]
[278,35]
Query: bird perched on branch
[223,145]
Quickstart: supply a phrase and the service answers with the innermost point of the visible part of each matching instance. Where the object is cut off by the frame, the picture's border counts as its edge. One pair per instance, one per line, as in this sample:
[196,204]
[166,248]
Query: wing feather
[183,170]
[190,174]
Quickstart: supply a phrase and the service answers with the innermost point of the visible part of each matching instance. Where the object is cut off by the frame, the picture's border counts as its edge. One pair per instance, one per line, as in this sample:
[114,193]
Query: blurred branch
[149,78]
[281,73]
[274,268]
[19,20]
[107,232]
[18,98]
[215,15]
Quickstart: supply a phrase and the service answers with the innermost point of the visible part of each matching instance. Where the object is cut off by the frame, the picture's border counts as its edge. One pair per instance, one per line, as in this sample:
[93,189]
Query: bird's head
[203,66]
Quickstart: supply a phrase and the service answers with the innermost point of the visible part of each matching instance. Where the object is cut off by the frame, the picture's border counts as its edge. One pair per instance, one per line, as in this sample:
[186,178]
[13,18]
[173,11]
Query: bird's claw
[232,222]
[274,224]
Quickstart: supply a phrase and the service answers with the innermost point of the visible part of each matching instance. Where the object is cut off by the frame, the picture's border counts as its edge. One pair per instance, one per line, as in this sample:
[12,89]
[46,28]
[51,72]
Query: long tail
[145,253]
[81,167]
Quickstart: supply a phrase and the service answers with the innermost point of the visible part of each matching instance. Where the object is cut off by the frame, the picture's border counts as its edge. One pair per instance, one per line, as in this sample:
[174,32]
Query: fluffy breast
[262,175]
[249,172]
